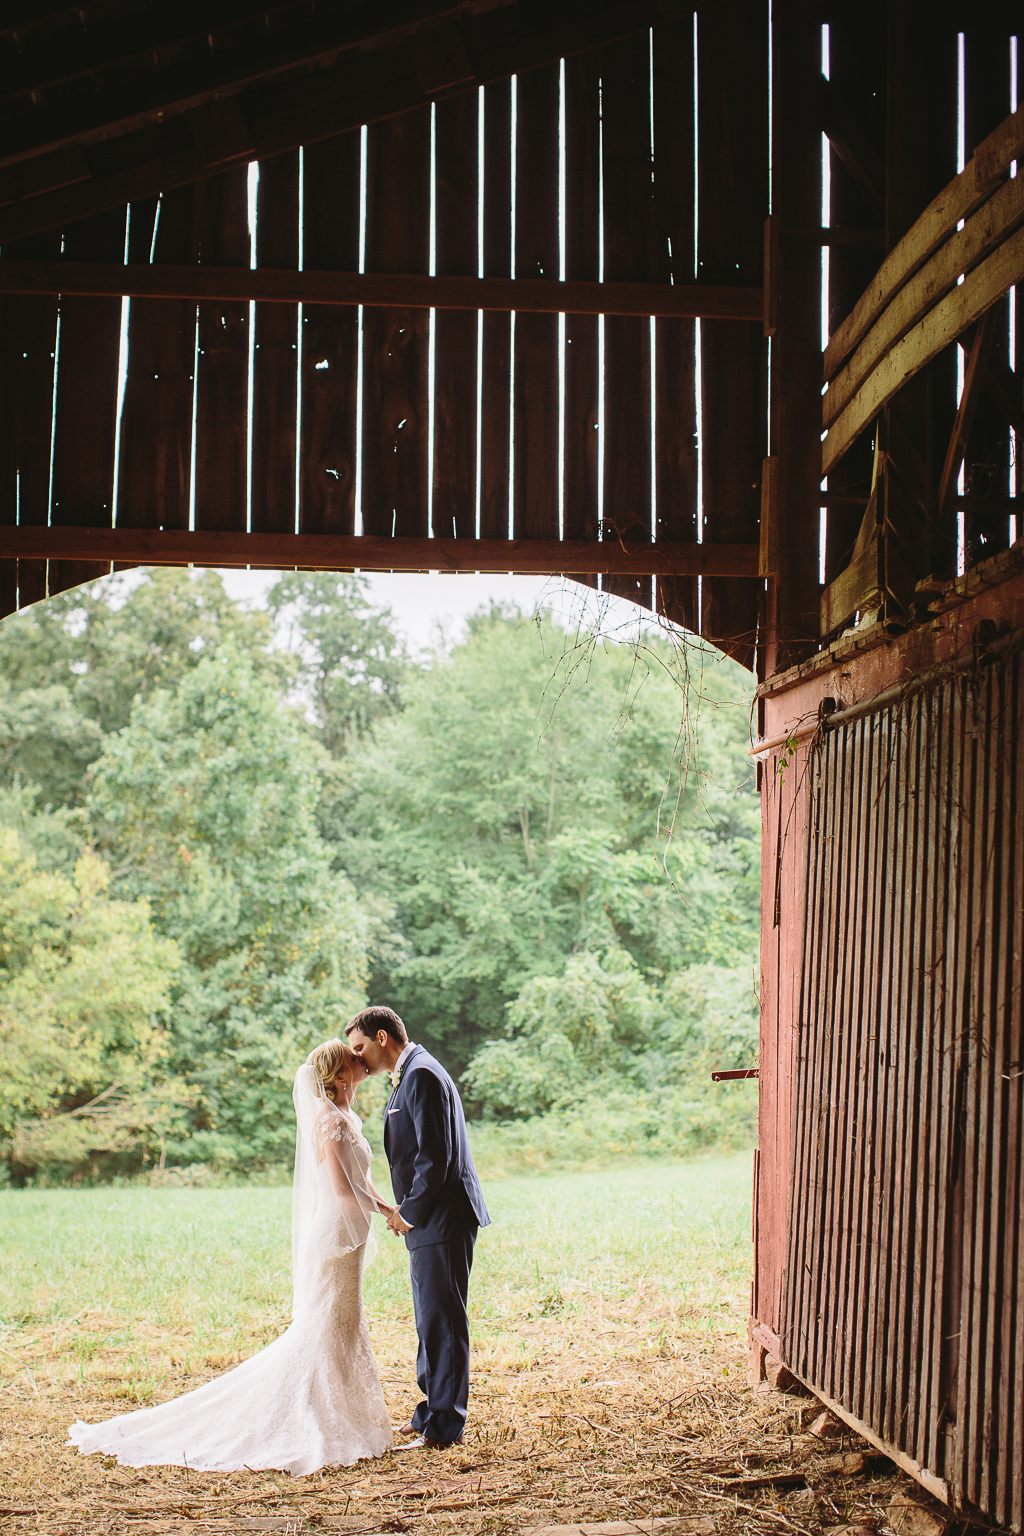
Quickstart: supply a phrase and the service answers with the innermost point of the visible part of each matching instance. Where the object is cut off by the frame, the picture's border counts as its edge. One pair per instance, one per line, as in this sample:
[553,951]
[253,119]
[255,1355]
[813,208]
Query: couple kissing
[313,1398]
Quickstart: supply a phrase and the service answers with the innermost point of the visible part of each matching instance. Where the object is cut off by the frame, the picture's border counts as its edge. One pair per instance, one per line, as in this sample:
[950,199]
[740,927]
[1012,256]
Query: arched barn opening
[717,307]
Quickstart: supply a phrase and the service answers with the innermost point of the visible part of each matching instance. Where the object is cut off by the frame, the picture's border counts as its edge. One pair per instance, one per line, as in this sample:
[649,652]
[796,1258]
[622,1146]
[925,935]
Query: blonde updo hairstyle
[330,1060]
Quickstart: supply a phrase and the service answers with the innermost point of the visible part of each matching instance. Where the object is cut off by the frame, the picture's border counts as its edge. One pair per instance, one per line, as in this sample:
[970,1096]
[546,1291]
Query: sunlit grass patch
[103,1268]
[609,1317]
[122,1296]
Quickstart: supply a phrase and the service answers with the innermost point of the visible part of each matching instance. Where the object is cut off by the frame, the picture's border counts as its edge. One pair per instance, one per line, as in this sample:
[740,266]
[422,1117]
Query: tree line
[222,830]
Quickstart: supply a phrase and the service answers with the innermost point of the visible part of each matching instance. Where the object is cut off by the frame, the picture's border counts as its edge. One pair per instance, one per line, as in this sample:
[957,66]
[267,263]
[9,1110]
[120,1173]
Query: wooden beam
[978,180]
[791,622]
[341,552]
[974,376]
[961,307]
[981,234]
[385,289]
[850,142]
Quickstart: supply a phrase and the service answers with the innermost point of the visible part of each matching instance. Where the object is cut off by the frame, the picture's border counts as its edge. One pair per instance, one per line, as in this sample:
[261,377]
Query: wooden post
[330,340]
[455,344]
[582,249]
[276,354]
[732,179]
[792,624]
[920,161]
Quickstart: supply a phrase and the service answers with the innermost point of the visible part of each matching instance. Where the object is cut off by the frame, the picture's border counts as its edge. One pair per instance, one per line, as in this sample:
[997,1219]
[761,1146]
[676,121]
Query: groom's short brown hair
[371,1020]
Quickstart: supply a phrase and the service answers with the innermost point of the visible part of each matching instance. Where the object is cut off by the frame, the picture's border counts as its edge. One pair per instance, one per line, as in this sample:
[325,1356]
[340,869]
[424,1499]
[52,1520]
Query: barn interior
[714,307]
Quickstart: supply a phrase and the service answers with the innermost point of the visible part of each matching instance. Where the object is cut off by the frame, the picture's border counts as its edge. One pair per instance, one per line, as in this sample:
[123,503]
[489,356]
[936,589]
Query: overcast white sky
[423,602]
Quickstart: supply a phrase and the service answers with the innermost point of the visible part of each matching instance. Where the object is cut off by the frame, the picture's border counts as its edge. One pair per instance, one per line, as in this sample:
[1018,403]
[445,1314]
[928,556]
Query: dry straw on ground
[616,1414]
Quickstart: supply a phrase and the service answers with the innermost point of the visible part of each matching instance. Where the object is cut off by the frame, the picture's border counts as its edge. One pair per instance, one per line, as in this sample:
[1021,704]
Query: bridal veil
[327,1170]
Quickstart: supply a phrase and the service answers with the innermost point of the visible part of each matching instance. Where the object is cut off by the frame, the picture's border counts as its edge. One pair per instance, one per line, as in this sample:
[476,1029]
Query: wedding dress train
[313,1398]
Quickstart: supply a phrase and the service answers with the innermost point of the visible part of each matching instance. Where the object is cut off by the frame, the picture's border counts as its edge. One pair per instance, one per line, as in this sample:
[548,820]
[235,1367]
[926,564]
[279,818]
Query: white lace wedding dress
[313,1398]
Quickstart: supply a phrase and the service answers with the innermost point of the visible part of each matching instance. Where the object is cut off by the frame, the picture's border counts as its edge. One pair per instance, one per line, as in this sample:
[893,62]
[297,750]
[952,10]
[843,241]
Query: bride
[313,1398]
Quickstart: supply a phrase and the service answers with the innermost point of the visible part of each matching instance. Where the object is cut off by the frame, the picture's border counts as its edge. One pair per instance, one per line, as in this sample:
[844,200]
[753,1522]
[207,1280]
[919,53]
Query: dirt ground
[574,1421]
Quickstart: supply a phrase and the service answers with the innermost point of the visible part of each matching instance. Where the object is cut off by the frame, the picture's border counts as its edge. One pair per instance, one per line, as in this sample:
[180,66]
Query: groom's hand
[397,1225]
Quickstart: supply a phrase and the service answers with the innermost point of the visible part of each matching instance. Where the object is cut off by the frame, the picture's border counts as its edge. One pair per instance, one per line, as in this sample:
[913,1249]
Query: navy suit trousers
[440,1288]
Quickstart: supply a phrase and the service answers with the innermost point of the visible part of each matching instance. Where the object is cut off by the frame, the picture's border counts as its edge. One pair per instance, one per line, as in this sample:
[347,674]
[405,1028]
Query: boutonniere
[396,1077]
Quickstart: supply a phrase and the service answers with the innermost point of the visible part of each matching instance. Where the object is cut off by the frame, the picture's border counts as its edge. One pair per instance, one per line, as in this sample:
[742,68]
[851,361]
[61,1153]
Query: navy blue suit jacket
[432,1172]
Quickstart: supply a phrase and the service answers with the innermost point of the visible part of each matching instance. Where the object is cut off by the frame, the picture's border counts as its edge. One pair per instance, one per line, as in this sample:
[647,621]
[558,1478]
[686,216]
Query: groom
[440,1210]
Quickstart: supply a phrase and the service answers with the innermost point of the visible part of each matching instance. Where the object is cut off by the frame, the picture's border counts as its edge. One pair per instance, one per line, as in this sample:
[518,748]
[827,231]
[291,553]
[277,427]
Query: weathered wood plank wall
[564,434]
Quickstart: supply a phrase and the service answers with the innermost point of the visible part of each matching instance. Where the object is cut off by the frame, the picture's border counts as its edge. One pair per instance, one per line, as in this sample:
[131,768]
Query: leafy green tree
[600,1026]
[56,839]
[599,1062]
[709,1022]
[85,986]
[71,667]
[518,810]
[354,661]
[47,741]
[565,1035]
[554,841]
[206,807]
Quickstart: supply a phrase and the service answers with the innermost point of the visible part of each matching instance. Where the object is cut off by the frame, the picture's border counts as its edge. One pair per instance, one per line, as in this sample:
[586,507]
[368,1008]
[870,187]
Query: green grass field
[105,1268]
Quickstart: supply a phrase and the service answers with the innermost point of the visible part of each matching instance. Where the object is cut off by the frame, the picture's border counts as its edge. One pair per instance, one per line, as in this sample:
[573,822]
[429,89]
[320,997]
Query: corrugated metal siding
[904,1286]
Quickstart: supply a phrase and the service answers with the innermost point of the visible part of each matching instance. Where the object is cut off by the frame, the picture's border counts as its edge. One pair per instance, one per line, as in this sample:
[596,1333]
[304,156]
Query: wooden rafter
[291,87]
[338,552]
[958,200]
[955,313]
[982,234]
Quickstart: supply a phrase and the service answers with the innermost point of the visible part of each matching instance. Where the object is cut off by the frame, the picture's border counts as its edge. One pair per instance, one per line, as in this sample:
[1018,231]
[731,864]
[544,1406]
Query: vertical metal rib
[908,1165]
[1012,1347]
[833,1108]
[866,1076]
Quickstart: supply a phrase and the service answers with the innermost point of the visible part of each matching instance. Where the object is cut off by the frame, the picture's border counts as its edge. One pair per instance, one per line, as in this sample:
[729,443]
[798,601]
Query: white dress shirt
[411,1046]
